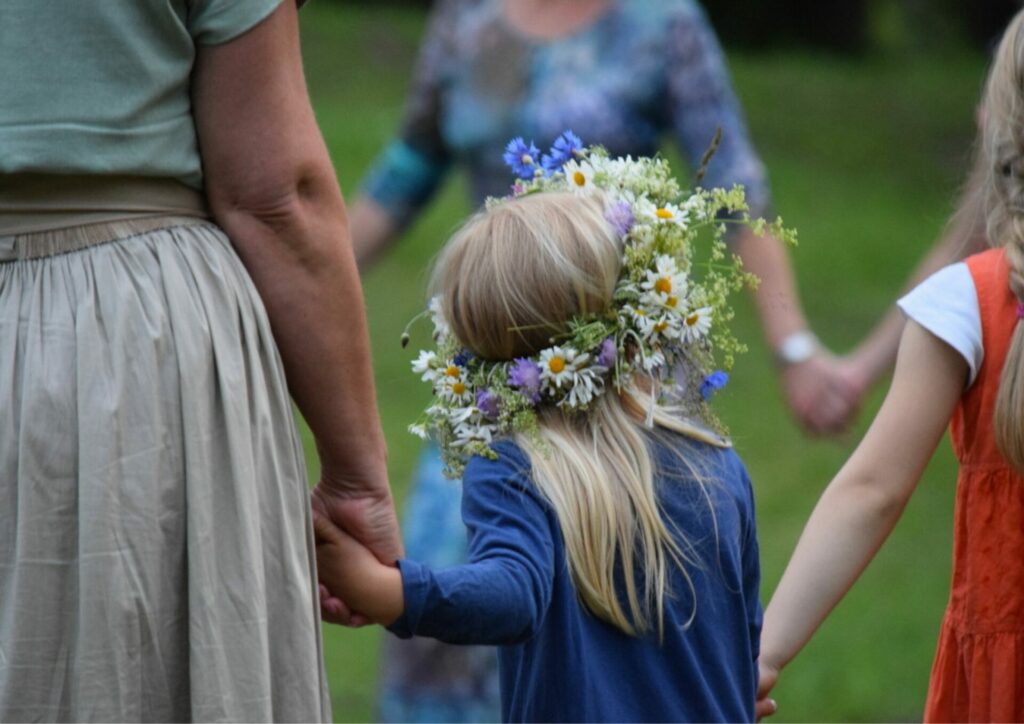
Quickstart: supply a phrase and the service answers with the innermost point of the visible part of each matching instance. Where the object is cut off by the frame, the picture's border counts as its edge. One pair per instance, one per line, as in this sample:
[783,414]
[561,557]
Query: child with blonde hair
[613,556]
[961,362]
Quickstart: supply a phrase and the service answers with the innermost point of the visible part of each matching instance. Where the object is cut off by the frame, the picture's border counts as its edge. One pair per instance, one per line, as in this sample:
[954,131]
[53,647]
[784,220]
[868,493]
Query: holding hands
[351,570]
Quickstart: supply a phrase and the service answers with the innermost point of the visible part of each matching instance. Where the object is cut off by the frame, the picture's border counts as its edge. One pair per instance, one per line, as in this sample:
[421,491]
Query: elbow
[876,496]
[300,210]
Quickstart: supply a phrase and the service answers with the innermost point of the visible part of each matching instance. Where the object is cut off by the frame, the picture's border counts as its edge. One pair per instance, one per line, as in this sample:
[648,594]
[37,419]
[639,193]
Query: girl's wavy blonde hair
[509,281]
[1000,174]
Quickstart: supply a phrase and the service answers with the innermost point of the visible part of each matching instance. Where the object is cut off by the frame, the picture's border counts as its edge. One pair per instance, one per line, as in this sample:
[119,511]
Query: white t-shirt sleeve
[946,304]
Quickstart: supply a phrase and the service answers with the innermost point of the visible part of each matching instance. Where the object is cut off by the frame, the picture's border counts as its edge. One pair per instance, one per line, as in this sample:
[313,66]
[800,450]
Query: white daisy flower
[451,386]
[696,324]
[472,431]
[665,285]
[667,214]
[419,431]
[653,361]
[587,383]
[557,366]
[579,175]
[426,366]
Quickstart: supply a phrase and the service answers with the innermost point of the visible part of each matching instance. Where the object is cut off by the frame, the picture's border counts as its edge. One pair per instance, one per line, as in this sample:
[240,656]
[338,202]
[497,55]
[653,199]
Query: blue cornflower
[463,358]
[522,159]
[713,382]
[566,147]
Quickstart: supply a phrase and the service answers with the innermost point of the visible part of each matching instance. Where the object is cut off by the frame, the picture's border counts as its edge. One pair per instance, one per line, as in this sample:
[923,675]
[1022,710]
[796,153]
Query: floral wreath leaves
[669,317]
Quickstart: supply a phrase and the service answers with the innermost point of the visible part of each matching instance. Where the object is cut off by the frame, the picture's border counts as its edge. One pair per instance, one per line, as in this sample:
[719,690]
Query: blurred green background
[865,153]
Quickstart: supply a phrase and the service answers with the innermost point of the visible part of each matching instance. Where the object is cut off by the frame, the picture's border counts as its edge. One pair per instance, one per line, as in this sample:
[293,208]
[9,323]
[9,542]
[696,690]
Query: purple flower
[525,375]
[488,402]
[518,189]
[566,147]
[712,383]
[462,358]
[620,216]
[608,353]
[522,159]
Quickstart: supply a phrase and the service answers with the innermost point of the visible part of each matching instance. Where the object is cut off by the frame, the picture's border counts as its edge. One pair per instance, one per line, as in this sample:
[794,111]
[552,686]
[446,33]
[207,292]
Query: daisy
[696,324]
[664,285]
[419,431]
[580,177]
[426,366]
[558,365]
[451,386]
[587,383]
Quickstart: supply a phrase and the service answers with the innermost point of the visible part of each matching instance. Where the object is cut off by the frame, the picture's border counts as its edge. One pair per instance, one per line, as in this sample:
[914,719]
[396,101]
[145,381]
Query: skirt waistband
[44,202]
[40,244]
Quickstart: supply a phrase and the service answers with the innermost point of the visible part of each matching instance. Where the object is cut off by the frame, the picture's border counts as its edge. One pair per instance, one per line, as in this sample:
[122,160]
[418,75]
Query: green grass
[865,158]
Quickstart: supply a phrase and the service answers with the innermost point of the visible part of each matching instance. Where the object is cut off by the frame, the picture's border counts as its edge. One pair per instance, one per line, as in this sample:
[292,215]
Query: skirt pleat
[156,550]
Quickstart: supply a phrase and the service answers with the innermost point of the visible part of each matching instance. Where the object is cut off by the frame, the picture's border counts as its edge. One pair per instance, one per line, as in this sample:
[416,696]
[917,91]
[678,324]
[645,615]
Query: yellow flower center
[671,302]
[579,179]
[692,319]
[663,285]
[661,326]
[458,388]
[556,364]
[452,371]
[663,213]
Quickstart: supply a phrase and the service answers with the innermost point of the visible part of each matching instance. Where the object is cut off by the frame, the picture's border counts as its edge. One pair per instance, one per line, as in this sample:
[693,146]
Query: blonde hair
[1001,175]
[509,281]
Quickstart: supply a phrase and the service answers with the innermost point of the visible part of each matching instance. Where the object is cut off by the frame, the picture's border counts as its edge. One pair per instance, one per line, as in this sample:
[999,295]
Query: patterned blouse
[641,69]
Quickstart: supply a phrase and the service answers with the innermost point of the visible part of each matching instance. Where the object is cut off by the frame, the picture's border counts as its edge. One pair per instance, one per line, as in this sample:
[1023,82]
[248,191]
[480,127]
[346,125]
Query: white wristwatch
[796,348]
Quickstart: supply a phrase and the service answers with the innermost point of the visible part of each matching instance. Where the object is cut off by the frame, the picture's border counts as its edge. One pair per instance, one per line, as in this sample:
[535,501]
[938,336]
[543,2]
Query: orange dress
[978,673]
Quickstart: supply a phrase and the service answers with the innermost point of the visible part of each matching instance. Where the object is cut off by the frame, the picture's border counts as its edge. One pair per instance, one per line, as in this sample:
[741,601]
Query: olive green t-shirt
[102,86]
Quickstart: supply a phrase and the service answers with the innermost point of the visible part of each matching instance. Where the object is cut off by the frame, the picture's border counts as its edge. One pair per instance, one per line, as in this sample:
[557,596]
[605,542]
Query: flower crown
[665,322]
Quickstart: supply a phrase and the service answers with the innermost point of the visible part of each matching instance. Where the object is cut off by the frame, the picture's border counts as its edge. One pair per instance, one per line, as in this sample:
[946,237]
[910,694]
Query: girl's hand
[352,572]
[767,677]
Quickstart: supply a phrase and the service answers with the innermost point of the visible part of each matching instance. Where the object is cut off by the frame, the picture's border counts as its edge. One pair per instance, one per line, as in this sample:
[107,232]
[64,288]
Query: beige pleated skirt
[156,550]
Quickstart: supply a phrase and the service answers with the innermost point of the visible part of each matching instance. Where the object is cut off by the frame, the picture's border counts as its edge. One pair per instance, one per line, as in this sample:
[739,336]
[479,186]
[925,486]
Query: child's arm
[863,502]
[499,597]
[353,574]
[502,595]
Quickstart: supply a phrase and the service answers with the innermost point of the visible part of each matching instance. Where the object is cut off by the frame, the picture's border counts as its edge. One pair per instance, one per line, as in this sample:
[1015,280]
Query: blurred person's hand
[823,393]
[767,676]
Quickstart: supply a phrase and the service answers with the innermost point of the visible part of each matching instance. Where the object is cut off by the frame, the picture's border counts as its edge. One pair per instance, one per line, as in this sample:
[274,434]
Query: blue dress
[558,662]
[643,70]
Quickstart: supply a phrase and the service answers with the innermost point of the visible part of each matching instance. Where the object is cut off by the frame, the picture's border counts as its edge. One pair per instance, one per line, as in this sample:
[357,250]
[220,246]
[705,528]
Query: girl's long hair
[1000,169]
[509,281]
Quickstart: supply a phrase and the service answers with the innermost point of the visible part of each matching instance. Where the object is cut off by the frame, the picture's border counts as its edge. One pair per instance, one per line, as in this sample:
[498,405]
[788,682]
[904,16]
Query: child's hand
[352,573]
[767,676]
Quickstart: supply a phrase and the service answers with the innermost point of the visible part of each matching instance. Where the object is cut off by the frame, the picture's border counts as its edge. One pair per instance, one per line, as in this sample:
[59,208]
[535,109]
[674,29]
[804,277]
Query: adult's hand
[823,393]
[370,518]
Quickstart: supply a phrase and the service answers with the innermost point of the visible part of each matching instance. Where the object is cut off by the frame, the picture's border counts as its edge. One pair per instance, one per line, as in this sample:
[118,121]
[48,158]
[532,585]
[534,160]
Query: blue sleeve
[701,100]
[751,563]
[502,594]
[410,169]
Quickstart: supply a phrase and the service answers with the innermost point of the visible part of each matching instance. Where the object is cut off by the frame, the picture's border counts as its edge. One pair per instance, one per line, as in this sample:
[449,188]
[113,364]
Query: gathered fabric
[156,547]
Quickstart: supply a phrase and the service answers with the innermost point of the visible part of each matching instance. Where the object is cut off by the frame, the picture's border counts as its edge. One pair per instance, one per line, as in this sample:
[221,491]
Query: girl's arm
[499,597]
[862,504]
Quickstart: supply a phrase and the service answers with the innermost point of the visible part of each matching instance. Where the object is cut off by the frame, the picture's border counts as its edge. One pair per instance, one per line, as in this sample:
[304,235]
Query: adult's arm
[701,100]
[272,188]
[864,501]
